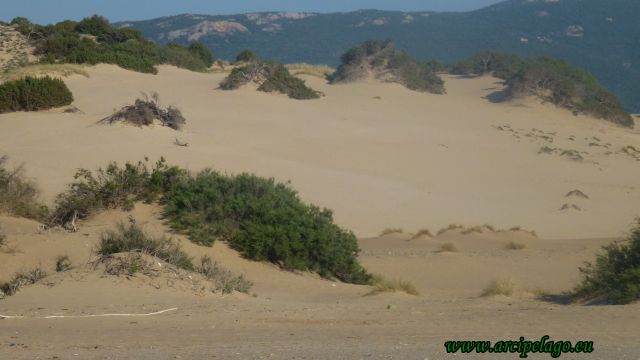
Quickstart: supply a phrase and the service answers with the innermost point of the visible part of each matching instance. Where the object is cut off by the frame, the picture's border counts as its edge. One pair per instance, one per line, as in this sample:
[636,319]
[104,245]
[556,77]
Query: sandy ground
[298,316]
[404,160]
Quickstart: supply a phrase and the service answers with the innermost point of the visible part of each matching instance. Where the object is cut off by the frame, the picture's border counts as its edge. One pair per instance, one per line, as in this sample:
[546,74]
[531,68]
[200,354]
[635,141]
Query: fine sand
[379,155]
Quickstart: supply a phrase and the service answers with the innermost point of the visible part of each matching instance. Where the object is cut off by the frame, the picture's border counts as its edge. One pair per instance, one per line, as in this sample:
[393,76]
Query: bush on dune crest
[270,76]
[615,275]
[550,79]
[94,40]
[262,219]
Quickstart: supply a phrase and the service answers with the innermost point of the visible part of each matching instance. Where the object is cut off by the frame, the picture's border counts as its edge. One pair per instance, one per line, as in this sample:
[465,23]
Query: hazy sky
[47,11]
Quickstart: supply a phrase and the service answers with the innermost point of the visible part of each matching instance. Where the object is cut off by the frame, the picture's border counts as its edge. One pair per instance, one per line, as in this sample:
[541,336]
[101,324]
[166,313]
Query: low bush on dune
[382,60]
[262,219]
[18,195]
[550,79]
[615,274]
[33,94]
[270,76]
[145,111]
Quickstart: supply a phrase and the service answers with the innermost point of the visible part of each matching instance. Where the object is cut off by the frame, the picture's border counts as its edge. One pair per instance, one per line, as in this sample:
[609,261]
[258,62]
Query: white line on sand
[88,316]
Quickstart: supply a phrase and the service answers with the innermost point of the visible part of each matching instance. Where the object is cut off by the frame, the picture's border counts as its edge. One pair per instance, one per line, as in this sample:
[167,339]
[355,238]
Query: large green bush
[93,40]
[32,94]
[262,219]
[615,275]
[265,221]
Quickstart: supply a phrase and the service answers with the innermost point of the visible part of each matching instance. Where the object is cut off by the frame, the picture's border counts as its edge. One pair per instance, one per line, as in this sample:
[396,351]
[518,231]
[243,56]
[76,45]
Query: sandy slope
[298,315]
[408,159]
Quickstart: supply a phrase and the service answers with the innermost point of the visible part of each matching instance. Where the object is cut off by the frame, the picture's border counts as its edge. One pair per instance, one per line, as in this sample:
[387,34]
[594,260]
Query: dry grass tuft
[390,231]
[448,247]
[422,233]
[514,245]
[501,286]
[18,195]
[321,71]
[381,284]
[22,279]
[38,70]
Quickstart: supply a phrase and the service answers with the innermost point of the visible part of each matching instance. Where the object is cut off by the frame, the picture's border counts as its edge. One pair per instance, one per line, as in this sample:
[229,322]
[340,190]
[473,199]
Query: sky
[50,11]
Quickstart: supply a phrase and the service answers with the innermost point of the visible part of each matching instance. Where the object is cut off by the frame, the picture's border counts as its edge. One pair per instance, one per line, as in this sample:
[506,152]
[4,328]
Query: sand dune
[382,157]
[407,159]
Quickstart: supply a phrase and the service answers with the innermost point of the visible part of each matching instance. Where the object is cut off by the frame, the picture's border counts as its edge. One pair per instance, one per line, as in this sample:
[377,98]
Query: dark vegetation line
[550,79]
[93,40]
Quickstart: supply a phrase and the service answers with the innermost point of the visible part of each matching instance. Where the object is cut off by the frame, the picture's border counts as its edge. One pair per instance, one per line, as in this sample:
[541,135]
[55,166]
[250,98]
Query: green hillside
[602,37]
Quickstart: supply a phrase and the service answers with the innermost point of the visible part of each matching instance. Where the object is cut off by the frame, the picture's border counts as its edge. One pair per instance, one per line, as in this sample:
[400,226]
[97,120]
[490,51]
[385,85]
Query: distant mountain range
[600,36]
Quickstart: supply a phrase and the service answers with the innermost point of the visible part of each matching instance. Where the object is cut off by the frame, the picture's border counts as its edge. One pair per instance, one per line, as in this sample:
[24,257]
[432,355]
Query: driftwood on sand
[145,111]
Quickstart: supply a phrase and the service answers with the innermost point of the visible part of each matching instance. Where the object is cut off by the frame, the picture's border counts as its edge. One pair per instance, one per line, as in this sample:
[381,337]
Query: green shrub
[262,219]
[615,275]
[131,238]
[18,195]
[246,56]
[32,94]
[202,52]
[279,79]
[551,79]
[265,221]
[195,58]
[501,65]
[93,40]
[271,76]
[113,187]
